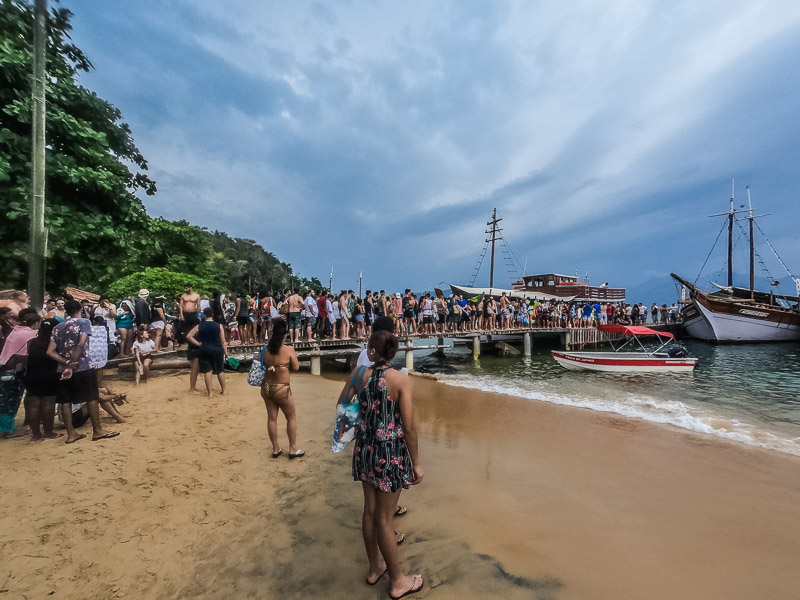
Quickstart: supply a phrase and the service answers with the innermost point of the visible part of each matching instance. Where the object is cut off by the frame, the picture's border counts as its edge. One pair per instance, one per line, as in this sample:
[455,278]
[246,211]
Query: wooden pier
[317,352]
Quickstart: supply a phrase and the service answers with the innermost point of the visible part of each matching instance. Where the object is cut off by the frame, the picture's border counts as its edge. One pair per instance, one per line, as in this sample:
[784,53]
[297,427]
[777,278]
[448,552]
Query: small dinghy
[674,360]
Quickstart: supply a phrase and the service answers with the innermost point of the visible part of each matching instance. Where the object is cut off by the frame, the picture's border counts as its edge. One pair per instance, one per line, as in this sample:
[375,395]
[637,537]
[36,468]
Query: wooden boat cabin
[568,285]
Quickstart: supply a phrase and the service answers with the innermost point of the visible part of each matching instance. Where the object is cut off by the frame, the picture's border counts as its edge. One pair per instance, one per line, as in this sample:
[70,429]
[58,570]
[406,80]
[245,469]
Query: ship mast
[751,218]
[493,231]
[730,237]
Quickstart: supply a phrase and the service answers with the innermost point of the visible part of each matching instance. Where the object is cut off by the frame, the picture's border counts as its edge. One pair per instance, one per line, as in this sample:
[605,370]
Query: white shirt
[311,307]
[363,361]
[329,308]
[145,346]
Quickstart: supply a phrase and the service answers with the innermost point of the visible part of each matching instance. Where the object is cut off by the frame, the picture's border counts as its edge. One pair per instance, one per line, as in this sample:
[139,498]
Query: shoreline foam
[645,408]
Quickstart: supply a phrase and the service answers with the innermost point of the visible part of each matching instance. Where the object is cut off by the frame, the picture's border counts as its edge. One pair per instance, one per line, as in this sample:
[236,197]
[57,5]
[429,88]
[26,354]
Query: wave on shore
[647,408]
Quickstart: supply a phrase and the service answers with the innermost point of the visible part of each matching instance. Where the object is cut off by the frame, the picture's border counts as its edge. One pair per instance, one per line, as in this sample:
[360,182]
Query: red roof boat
[629,362]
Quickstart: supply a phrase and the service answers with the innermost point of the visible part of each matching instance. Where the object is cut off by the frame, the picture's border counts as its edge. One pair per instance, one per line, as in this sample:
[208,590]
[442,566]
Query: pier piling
[410,356]
[526,344]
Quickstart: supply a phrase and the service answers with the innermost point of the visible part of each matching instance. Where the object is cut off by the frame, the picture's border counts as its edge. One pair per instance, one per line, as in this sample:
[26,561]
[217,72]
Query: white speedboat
[618,361]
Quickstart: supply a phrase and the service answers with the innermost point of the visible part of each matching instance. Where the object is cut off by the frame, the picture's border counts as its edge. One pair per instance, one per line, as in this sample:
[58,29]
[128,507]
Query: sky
[377,137]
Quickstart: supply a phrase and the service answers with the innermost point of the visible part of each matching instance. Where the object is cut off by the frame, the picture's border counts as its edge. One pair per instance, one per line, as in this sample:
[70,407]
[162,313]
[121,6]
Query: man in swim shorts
[312,312]
[294,321]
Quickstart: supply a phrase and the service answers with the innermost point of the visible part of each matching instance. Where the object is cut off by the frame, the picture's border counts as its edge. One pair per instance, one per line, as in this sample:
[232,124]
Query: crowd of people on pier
[80,336]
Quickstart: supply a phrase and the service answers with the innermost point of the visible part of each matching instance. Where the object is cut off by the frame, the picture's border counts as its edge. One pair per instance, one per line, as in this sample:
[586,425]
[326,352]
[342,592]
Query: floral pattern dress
[380,454]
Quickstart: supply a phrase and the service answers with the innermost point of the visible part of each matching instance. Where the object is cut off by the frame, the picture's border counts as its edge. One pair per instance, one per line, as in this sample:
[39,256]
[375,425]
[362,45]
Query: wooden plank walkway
[316,350]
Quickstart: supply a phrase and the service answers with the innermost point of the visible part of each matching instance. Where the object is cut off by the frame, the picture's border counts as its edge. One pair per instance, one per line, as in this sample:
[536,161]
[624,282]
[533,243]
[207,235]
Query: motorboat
[674,360]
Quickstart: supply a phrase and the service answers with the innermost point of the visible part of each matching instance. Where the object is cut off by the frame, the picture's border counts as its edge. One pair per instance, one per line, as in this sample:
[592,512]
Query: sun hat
[143,293]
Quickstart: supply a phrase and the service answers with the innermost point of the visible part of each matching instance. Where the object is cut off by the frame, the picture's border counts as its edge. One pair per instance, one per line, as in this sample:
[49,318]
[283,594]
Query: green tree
[159,282]
[93,167]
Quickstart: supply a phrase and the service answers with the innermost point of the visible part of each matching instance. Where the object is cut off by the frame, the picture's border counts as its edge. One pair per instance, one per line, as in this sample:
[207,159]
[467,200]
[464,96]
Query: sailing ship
[740,315]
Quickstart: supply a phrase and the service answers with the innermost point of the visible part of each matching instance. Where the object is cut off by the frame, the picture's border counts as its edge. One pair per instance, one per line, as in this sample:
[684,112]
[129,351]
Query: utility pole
[493,231]
[330,282]
[360,282]
[38,234]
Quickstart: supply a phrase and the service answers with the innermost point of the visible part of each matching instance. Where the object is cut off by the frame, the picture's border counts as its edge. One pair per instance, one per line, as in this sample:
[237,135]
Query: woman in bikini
[276,389]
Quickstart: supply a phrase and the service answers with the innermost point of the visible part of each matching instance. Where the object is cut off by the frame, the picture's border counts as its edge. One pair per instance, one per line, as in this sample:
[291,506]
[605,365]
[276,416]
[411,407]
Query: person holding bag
[279,360]
[385,458]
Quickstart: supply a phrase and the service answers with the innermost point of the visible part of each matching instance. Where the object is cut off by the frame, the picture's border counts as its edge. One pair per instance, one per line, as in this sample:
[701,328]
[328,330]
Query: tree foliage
[93,168]
[159,282]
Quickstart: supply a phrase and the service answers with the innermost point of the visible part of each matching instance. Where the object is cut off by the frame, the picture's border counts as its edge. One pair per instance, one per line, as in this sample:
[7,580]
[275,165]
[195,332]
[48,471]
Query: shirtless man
[295,310]
[188,309]
[503,313]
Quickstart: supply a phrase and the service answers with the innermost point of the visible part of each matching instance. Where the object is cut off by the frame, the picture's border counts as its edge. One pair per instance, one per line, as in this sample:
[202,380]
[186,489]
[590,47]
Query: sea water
[743,393]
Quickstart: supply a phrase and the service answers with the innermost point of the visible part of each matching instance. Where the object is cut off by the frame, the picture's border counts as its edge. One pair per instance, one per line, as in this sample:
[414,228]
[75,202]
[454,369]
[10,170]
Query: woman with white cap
[143,314]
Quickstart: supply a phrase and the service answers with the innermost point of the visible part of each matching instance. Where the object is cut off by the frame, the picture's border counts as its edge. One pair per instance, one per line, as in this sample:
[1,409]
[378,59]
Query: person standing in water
[385,458]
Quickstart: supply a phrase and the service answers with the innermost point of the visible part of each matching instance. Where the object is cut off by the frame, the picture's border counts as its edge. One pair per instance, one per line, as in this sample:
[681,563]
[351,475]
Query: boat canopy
[633,330]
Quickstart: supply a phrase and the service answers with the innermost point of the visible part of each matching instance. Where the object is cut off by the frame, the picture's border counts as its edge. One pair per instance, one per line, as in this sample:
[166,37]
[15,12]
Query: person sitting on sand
[143,349]
[209,338]
[276,390]
[385,459]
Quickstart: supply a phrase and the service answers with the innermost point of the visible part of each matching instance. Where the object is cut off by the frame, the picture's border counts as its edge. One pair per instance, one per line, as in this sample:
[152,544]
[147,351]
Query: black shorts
[43,385]
[193,352]
[211,361]
[441,318]
[408,314]
[81,387]
[242,321]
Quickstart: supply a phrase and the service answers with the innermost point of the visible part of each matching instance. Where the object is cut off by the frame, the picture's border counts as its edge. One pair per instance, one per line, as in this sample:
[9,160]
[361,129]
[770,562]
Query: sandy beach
[520,500]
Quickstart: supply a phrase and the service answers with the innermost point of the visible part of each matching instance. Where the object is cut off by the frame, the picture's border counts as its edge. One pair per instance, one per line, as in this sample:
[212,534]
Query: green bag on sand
[232,364]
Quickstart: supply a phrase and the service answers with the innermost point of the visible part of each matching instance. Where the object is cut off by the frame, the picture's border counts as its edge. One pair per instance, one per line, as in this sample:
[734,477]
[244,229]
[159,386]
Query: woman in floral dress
[385,459]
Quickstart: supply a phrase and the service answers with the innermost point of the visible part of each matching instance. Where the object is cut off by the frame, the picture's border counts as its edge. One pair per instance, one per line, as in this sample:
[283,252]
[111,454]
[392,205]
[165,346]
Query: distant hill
[665,290]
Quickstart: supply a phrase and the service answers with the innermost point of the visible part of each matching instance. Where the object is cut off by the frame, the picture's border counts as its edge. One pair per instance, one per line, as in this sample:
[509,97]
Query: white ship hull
[739,322]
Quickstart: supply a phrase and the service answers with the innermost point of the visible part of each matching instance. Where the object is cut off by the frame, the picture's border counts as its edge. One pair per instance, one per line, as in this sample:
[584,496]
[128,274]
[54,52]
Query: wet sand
[520,500]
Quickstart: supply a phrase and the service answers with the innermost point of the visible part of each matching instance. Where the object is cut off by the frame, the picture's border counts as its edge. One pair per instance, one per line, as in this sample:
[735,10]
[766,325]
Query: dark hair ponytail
[278,334]
[385,345]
